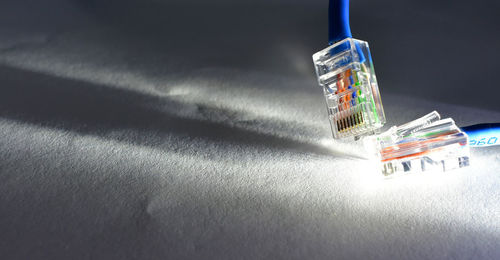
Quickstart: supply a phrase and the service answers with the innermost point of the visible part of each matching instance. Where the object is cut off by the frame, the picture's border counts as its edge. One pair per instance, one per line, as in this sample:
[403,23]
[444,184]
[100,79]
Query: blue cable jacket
[338,19]
[338,27]
[483,134]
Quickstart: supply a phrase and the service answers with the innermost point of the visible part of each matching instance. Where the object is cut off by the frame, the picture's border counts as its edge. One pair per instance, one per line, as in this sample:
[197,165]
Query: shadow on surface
[93,109]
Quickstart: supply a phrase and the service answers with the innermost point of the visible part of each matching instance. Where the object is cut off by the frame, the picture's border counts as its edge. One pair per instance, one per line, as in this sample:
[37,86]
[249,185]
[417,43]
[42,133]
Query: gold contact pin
[349,122]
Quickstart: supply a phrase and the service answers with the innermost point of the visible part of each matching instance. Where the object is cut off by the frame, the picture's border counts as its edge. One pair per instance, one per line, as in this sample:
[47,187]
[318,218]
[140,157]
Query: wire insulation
[338,19]
[482,135]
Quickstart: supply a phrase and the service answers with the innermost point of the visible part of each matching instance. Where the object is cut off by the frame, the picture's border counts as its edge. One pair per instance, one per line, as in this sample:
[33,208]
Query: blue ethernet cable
[339,27]
[345,72]
[482,135]
[338,21]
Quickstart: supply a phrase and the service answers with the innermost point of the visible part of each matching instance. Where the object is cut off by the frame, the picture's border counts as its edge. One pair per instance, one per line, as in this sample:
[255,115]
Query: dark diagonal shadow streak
[93,109]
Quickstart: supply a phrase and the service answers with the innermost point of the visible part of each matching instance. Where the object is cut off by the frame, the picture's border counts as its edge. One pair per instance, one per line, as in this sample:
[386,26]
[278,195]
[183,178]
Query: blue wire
[339,28]
[338,19]
[483,134]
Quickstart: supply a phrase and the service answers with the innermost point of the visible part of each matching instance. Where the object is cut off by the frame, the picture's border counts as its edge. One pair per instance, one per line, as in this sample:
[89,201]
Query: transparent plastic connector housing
[345,71]
[428,143]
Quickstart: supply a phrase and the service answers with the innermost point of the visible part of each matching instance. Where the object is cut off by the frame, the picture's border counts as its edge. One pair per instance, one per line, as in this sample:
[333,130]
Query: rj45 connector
[426,144]
[345,71]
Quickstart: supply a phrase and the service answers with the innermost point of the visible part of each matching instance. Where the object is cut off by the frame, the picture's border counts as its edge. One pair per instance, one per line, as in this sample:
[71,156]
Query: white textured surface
[120,152]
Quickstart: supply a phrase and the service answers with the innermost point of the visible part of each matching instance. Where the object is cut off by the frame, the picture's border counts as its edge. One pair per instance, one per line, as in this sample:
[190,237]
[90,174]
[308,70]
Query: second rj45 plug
[425,144]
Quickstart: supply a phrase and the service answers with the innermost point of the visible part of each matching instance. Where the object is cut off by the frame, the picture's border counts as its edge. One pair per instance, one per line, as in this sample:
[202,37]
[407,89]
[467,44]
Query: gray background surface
[180,130]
